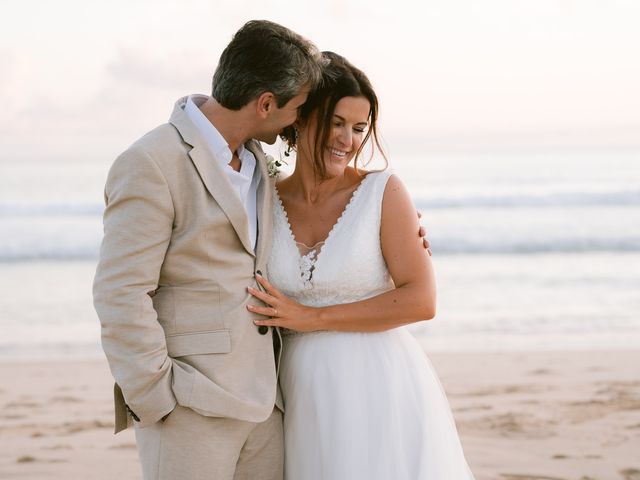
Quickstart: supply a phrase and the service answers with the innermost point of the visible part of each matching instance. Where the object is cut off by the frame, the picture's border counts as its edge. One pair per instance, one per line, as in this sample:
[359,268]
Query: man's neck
[230,123]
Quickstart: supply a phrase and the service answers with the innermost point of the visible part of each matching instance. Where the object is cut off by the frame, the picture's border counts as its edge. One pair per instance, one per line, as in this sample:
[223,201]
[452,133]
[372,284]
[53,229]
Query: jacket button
[263,329]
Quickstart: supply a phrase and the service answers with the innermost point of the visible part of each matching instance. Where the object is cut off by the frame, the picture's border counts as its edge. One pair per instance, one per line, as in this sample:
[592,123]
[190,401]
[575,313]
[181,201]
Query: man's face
[279,118]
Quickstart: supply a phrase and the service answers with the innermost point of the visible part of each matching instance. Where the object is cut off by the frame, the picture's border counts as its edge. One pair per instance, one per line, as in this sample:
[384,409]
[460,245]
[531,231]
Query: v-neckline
[327,239]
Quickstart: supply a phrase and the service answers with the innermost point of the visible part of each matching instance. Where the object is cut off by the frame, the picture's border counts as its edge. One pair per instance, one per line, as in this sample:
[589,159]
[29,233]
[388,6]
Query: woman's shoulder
[375,176]
[380,179]
[373,185]
[395,195]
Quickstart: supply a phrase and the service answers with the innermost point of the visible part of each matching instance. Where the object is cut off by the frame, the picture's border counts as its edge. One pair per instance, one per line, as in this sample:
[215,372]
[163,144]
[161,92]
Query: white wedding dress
[357,405]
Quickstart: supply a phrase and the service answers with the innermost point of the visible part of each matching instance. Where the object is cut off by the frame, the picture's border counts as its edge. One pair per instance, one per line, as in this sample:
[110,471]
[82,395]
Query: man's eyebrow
[342,118]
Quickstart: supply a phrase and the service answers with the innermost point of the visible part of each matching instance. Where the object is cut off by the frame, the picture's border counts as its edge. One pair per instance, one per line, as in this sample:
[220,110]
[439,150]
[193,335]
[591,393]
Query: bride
[347,273]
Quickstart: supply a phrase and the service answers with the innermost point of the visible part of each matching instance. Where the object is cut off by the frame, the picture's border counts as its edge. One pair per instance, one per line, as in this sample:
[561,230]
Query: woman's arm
[413,298]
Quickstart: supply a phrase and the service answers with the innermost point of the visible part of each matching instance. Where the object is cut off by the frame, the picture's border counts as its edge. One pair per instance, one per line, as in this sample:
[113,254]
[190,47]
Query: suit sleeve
[138,222]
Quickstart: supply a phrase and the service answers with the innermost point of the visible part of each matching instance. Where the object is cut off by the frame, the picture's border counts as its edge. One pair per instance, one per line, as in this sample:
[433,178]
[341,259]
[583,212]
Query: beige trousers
[189,446]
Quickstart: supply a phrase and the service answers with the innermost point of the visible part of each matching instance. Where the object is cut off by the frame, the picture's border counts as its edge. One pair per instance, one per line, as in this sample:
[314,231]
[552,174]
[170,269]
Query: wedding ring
[275,312]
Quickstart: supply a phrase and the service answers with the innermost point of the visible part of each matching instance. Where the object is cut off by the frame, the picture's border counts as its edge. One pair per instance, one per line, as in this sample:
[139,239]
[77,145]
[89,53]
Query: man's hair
[265,57]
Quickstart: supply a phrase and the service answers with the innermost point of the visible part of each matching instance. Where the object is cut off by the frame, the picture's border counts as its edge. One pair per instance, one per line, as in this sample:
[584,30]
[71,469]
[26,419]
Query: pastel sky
[81,79]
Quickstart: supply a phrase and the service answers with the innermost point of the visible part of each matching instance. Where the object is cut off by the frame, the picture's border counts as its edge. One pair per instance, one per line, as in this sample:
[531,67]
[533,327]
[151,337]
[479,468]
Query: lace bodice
[348,267]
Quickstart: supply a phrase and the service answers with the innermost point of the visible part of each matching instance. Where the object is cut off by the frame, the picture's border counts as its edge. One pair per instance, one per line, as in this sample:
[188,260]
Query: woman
[361,398]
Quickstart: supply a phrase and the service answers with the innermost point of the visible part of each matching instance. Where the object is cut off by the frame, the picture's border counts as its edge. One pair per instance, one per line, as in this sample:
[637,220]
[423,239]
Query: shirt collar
[214,139]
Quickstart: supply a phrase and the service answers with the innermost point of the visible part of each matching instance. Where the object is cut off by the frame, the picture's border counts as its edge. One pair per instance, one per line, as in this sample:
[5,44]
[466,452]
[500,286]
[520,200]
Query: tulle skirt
[366,406]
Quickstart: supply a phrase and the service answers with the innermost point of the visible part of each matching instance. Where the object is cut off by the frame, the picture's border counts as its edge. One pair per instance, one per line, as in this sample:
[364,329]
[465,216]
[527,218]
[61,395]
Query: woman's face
[347,131]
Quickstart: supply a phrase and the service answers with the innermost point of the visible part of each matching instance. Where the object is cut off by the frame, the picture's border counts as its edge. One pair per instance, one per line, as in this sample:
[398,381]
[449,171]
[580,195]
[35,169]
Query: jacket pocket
[199,343]
[197,309]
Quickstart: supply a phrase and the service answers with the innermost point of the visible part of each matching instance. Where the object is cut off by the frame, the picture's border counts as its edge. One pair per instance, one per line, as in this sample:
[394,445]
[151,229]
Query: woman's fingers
[267,286]
[271,313]
[260,295]
[269,323]
[266,311]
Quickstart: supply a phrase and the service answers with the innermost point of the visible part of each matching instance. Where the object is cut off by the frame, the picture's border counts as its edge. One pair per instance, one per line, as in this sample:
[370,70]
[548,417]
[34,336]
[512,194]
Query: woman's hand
[283,311]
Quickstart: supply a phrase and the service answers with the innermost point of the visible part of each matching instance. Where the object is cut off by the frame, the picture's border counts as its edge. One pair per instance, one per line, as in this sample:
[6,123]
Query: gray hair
[265,57]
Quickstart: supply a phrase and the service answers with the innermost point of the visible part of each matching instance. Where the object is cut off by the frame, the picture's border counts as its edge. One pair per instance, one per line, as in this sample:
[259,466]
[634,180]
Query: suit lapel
[264,199]
[213,175]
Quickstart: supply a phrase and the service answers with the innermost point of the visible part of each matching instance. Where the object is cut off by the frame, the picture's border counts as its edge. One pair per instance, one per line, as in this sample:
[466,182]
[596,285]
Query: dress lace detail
[308,256]
[307,264]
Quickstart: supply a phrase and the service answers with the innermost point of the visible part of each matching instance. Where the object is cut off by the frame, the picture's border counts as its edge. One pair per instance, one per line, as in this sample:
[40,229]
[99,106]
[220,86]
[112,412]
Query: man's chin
[268,139]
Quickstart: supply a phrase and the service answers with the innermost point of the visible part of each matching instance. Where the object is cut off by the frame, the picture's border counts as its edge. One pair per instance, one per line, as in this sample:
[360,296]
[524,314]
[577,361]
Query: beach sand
[521,416]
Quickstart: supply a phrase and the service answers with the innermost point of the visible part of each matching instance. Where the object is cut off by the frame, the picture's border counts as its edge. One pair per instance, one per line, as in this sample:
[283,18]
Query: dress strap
[377,186]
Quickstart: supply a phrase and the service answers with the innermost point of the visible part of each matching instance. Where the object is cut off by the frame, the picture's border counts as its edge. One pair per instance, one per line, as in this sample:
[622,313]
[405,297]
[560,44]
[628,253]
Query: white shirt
[245,182]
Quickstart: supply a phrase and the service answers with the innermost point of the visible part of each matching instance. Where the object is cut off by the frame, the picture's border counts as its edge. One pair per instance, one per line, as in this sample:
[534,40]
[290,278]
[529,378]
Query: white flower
[273,166]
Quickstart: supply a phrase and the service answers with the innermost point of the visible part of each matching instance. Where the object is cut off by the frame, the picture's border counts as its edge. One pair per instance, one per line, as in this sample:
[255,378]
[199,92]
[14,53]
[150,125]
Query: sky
[82,79]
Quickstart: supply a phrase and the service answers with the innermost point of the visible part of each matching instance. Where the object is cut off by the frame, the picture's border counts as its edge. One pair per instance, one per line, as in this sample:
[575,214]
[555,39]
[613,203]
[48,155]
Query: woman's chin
[335,166]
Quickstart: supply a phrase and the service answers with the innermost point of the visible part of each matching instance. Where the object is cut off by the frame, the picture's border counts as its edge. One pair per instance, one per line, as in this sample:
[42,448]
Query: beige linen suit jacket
[170,287]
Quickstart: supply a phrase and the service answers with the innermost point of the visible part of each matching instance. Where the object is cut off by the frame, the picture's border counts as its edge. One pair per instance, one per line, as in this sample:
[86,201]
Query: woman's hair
[339,79]
[265,57]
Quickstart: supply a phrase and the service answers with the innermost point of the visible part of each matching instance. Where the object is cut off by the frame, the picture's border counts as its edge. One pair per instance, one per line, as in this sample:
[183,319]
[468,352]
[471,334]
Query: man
[187,225]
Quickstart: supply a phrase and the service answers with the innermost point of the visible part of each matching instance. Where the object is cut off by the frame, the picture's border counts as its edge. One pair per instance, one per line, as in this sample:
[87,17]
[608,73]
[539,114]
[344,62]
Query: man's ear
[265,104]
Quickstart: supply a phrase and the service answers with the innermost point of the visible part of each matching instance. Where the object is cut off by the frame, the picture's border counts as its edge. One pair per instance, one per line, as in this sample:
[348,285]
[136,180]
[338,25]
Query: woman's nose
[345,137]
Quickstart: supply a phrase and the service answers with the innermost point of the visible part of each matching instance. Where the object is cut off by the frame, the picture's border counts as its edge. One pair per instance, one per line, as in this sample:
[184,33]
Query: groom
[187,225]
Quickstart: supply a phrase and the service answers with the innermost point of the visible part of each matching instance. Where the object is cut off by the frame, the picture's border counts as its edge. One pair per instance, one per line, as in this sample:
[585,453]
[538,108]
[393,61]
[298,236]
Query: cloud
[139,69]
[8,63]
[134,92]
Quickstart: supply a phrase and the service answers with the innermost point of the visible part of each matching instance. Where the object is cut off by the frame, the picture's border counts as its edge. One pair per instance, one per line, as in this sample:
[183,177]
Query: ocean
[533,251]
